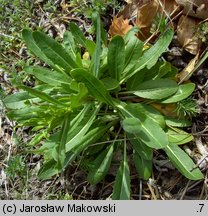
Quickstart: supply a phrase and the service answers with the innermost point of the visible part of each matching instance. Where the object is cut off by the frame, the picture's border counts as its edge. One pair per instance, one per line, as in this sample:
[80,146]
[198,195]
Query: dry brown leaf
[131,9]
[169,7]
[186,73]
[195,8]
[146,14]
[119,26]
[145,17]
[186,32]
[166,109]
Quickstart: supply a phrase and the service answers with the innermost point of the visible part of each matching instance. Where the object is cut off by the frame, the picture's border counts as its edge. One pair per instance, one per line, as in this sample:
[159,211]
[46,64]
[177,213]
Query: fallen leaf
[119,26]
[186,73]
[146,14]
[186,33]
[195,8]
[166,109]
[169,7]
[131,9]
[149,12]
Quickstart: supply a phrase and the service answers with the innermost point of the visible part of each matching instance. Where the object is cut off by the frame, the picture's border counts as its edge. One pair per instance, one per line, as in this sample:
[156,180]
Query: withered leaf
[195,8]
[186,33]
[119,26]
[186,73]
[146,14]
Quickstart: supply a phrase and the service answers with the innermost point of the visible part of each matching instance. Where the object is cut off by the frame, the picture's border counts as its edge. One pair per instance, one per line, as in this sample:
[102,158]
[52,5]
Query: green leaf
[54,51]
[69,44]
[183,162]
[42,95]
[48,170]
[116,57]
[77,34]
[95,63]
[151,73]
[149,132]
[17,100]
[156,89]
[80,38]
[164,69]
[31,44]
[143,166]
[143,127]
[135,80]
[79,60]
[156,50]
[149,111]
[38,138]
[63,139]
[110,83]
[101,165]
[177,122]
[75,135]
[91,47]
[133,52]
[95,87]
[89,138]
[150,57]
[121,188]
[48,76]
[77,99]
[183,92]
[178,137]
[142,149]
[21,99]
[28,113]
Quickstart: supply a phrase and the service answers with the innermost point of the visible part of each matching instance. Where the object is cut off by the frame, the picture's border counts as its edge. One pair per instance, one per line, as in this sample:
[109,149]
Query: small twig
[140,189]
[185,190]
